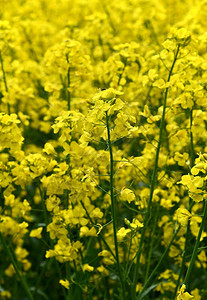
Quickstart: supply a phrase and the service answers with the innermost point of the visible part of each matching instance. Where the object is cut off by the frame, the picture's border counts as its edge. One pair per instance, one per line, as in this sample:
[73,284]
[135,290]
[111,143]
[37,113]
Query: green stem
[192,152]
[68,95]
[22,280]
[4,78]
[195,250]
[50,241]
[41,274]
[128,255]
[149,280]
[153,180]
[113,204]
[68,275]
[100,234]
[107,246]
[183,260]
[3,71]
[43,206]
[68,92]
[151,246]
[192,158]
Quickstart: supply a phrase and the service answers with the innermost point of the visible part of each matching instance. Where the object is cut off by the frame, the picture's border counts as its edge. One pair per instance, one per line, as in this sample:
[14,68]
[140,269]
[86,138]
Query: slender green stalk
[192,157]
[100,234]
[153,180]
[195,250]
[192,152]
[107,246]
[183,259]
[43,206]
[113,204]
[68,275]
[3,71]
[150,280]
[68,85]
[41,274]
[68,95]
[21,278]
[50,241]
[4,78]
[151,246]
[128,255]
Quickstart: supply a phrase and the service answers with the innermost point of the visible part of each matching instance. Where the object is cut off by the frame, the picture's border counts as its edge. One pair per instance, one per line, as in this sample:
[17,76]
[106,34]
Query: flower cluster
[103,134]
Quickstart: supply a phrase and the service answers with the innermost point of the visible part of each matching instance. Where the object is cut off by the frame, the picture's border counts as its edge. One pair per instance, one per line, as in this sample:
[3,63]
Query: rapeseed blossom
[182,295]
[103,149]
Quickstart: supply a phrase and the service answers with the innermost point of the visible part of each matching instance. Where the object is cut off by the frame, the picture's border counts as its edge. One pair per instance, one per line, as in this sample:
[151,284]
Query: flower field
[103,149]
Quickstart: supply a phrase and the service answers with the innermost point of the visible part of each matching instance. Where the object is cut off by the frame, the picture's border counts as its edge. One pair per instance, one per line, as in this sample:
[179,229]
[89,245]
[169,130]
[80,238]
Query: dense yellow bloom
[102,101]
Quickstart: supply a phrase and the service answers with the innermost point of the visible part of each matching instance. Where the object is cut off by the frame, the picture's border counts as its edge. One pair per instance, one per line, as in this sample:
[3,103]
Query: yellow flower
[182,295]
[127,195]
[196,295]
[85,231]
[64,283]
[161,84]
[87,267]
[169,45]
[136,224]
[183,216]
[121,233]
[36,233]
[182,34]
[181,158]
[49,149]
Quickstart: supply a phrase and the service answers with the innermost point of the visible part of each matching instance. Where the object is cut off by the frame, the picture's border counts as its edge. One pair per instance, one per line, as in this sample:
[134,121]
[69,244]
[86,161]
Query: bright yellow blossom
[64,283]
[182,295]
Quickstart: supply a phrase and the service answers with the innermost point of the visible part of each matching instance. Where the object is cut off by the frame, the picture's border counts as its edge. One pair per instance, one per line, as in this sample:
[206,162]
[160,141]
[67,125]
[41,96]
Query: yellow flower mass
[103,142]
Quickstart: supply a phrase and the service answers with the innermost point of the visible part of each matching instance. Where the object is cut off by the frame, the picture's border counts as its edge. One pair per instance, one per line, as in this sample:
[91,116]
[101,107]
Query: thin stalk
[192,152]
[68,92]
[43,206]
[153,180]
[50,241]
[184,255]
[113,204]
[101,44]
[151,246]
[68,275]
[107,246]
[128,255]
[15,291]
[192,158]
[22,280]
[195,250]
[4,78]
[100,234]
[150,280]
[4,73]
[68,95]
[41,274]
[132,262]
